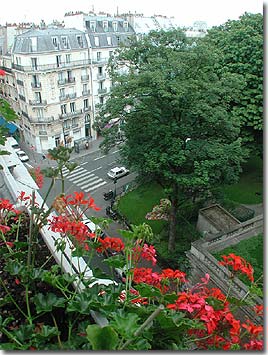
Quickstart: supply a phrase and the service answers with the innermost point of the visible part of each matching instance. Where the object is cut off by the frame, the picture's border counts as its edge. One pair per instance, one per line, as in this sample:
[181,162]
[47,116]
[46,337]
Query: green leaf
[148,291]
[45,303]
[125,323]
[104,338]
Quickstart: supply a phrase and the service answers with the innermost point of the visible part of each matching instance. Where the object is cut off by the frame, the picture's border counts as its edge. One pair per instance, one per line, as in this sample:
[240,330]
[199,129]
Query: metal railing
[84,77]
[36,85]
[38,103]
[66,81]
[55,66]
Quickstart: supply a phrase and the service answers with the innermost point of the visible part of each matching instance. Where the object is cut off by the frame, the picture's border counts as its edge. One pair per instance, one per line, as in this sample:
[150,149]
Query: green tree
[172,110]
[240,44]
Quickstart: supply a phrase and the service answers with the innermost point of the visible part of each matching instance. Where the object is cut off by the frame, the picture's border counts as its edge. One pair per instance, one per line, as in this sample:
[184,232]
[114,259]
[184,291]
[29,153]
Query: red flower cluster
[110,243]
[6,208]
[238,264]
[78,199]
[76,229]
[37,175]
[146,252]
[159,280]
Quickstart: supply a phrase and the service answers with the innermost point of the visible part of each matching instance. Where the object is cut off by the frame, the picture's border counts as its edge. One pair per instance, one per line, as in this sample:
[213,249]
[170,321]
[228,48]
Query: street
[90,176]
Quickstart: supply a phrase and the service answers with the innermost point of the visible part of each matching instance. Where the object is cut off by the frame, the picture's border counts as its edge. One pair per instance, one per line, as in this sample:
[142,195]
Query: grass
[135,204]
[251,250]
[249,190]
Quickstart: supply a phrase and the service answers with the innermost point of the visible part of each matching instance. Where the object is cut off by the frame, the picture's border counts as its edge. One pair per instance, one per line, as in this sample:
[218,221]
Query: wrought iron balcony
[102,91]
[84,77]
[36,85]
[38,103]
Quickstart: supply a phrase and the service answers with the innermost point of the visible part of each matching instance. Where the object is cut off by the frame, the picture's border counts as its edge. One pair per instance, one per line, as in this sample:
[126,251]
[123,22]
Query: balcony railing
[36,85]
[101,76]
[84,77]
[38,103]
[55,66]
[86,92]
[42,133]
[20,82]
[22,97]
[70,114]
[102,91]
[86,109]
[72,95]
[66,81]
[25,114]
[63,97]
[41,120]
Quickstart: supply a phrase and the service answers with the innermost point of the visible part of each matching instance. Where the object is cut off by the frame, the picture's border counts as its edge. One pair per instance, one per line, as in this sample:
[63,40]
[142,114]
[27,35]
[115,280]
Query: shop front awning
[9,125]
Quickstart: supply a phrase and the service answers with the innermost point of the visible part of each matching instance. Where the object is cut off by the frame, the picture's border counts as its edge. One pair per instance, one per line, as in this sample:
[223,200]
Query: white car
[22,156]
[117,172]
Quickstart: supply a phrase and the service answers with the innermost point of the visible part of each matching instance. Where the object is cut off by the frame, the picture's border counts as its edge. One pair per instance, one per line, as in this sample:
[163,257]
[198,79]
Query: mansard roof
[50,40]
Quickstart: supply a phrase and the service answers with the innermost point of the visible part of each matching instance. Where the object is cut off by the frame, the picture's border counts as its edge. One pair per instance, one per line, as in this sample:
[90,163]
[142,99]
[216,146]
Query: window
[60,76]
[100,71]
[98,55]
[72,106]
[97,41]
[62,92]
[34,63]
[68,58]
[69,75]
[115,26]
[58,60]
[85,103]
[38,97]
[63,109]
[64,42]
[79,41]
[101,100]
[84,88]
[105,25]
[55,42]
[125,25]
[111,53]
[57,141]
[109,40]
[40,112]
[92,25]
[33,44]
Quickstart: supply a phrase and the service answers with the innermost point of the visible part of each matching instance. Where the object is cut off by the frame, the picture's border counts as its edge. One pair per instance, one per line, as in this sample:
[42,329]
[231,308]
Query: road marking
[115,151]
[103,156]
[112,162]
[96,186]
[83,185]
[91,171]
[75,172]
[88,177]
[80,175]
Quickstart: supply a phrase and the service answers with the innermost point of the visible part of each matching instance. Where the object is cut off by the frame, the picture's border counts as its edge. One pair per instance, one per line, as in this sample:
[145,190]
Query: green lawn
[249,190]
[135,204]
[251,250]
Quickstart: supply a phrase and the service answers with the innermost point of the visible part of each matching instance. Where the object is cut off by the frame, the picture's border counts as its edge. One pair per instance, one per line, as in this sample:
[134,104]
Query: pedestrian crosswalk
[86,180]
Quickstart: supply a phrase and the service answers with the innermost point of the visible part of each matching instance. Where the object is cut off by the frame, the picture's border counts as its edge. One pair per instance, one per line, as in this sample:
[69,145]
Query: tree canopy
[173,109]
[240,45]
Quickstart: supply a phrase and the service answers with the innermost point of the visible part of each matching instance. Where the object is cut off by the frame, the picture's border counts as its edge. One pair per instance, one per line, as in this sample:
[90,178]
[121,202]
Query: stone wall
[203,262]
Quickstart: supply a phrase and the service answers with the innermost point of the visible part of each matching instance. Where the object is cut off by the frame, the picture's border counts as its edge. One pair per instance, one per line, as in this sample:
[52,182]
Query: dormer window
[97,41]
[115,26]
[125,25]
[79,41]
[55,42]
[64,41]
[105,25]
[92,25]
[109,40]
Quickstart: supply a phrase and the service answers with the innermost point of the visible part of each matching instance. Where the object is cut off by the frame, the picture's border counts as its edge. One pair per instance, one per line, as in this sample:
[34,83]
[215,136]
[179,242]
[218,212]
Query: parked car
[117,172]
[13,143]
[22,156]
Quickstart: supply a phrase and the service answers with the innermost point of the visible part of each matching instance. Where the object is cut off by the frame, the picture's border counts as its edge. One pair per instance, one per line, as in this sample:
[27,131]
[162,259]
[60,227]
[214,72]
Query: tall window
[109,40]
[64,42]
[63,109]
[58,60]
[38,97]
[85,103]
[97,41]
[62,92]
[105,25]
[115,26]
[79,41]
[55,42]
[72,106]
[84,88]
[98,55]
[68,58]
[34,63]
[40,112]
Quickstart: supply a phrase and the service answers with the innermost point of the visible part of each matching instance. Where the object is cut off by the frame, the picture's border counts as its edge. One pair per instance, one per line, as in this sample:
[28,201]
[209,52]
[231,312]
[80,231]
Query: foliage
[252,250]
[148,310]
[172,108]
[240,43]
[6,111]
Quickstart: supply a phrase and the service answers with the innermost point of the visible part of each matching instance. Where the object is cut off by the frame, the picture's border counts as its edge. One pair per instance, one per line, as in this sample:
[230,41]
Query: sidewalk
[37,159]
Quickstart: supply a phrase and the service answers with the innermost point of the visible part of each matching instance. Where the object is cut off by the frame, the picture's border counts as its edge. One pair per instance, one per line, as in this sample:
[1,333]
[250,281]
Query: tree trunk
[173,219]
